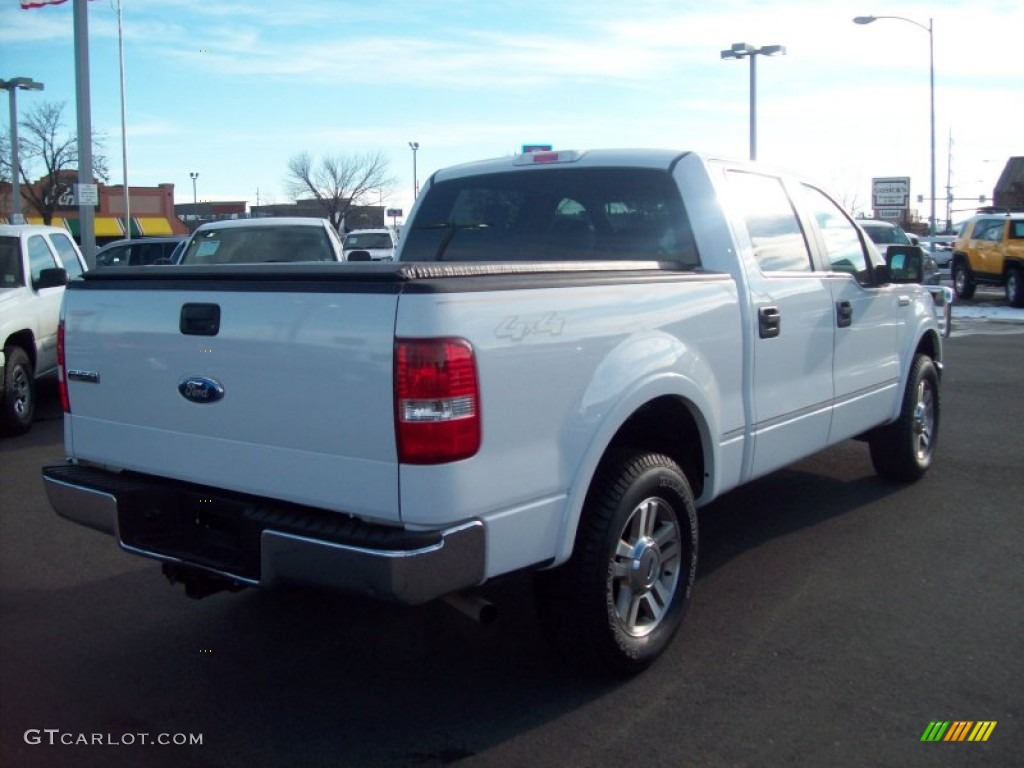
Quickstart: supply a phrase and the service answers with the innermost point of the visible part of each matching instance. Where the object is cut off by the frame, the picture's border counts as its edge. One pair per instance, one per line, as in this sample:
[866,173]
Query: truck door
[47,305]
[866,321]
[790,325]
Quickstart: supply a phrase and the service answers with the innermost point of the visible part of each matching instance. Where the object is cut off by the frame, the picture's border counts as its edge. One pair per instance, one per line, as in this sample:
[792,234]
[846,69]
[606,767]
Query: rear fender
[634,383]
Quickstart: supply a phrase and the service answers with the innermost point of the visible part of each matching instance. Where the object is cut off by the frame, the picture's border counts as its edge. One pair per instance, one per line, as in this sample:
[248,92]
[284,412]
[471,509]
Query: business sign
[528,148]
[891,192]
[890,214]
[394,213]
[69,197]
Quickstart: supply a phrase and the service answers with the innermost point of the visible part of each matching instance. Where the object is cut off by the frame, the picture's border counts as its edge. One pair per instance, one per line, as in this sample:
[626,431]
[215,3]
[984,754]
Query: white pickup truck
[35,264]
[572,353]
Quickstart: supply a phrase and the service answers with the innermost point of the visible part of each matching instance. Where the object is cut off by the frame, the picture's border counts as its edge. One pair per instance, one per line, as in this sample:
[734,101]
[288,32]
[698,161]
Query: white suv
[35,265]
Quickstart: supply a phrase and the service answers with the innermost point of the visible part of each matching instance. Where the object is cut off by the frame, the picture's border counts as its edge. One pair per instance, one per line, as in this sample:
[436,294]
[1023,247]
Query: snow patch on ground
[985,312]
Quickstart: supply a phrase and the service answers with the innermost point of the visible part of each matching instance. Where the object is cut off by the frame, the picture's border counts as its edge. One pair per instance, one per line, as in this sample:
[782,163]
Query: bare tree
[851,203]
[5,153]
[44,141]
[338,182]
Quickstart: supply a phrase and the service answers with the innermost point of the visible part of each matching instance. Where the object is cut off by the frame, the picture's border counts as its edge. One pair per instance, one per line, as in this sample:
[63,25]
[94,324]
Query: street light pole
[931,90]
[414,145]
[195,202]
[740,51]
[12,86]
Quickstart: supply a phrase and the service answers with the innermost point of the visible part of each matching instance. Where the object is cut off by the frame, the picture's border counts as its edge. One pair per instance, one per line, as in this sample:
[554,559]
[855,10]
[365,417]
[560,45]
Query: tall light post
[740,51]
[195,201]
[931,87]
[12,86]
[414,145]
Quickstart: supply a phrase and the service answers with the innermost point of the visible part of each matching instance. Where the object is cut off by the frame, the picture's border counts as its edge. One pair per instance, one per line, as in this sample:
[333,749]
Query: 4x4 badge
[200,389]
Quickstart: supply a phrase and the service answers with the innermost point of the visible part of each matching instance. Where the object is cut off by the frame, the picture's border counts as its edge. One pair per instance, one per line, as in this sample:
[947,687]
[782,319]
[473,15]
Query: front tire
[1014,288]
[617,603]
[903,451]
[963,283]
[18,402]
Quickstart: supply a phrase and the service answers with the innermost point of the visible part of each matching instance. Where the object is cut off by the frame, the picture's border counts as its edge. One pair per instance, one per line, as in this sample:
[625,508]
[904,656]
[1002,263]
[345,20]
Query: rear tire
[614,607]
[18,402]
[903,450]
[1014,287]
[963,283]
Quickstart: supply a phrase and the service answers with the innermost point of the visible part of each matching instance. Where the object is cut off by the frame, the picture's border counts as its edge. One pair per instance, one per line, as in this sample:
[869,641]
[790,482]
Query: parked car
[35,264]
[261,241]
[141,251]
[941,248]
[883,234]
[379,245]
[990,250]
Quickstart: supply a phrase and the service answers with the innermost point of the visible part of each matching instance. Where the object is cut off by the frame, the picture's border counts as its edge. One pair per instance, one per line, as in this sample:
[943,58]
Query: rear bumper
[262,542]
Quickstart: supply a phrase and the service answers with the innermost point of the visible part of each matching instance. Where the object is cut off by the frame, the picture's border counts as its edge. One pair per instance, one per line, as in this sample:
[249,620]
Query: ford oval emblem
[200,389]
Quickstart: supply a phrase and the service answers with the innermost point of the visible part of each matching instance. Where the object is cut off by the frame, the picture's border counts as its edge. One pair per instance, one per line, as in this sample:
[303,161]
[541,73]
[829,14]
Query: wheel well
[25,341]
[665,425]
[929,345]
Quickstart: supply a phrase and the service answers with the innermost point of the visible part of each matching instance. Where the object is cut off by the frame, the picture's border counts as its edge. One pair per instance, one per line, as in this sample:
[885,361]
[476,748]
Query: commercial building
[151,208]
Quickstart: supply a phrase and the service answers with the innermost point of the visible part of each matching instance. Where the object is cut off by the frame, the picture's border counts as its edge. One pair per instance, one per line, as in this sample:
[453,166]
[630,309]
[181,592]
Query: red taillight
[437,400]
[62,382]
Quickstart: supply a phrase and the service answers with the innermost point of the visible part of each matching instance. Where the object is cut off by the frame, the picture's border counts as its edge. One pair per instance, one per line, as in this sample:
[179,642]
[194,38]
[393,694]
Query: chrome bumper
[415,568]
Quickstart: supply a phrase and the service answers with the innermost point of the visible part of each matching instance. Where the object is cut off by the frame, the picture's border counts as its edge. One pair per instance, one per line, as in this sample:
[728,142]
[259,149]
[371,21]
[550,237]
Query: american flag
[26,4]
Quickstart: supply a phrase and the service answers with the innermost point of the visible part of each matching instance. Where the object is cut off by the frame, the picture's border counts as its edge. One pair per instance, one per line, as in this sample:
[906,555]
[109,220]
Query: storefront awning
[104,226]
[57,221]
[152,226]
[109,226]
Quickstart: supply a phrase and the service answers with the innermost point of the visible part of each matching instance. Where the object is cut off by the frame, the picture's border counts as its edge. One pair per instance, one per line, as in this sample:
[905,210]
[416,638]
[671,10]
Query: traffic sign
[87,194]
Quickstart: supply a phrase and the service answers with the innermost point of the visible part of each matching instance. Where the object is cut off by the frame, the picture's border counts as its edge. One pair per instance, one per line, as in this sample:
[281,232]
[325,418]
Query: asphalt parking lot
[835,617]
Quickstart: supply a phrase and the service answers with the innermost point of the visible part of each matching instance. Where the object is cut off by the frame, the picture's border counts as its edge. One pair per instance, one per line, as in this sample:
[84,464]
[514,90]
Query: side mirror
[905,263]
[54,277]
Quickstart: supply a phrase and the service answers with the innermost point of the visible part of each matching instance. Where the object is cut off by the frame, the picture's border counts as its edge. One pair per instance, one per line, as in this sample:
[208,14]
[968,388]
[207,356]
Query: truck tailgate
[279,388]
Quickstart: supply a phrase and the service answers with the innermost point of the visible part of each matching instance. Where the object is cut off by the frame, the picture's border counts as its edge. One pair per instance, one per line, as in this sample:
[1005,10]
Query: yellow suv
[990,249]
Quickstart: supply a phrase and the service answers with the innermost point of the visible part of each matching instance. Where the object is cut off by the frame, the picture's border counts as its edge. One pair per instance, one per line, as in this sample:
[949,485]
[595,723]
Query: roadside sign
[890,214]
[87,194]
[394,213]
[528,148]
[890,192]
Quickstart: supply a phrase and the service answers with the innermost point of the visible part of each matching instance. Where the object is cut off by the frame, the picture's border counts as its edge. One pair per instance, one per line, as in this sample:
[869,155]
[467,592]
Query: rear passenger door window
[775,232]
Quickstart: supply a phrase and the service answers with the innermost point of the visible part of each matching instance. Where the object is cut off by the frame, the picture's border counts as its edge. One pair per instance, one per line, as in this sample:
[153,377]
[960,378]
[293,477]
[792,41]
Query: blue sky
[231,89]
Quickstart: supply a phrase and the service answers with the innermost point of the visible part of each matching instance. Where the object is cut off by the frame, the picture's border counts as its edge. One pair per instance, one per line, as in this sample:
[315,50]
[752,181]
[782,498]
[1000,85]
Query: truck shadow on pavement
[304,677]
[827,485]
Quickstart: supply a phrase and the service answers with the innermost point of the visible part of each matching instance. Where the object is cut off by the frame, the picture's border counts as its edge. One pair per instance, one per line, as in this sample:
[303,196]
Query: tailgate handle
[200,319]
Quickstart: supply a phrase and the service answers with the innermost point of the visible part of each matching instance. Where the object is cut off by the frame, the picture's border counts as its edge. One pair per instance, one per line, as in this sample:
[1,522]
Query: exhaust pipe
[475,607]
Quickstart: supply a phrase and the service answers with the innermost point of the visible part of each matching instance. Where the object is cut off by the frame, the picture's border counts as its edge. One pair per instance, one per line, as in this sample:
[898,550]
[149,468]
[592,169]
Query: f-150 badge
[200,389]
